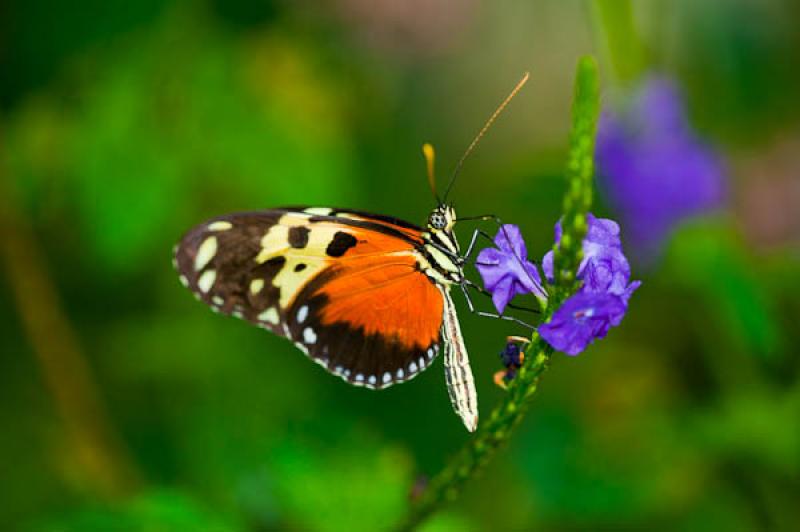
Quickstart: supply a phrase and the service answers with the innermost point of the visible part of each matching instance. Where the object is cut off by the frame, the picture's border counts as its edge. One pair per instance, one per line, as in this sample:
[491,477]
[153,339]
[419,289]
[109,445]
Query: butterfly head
[442,218]
[444,263]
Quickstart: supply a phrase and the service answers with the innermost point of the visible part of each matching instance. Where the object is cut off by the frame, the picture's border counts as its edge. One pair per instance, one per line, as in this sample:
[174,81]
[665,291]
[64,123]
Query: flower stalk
[446,485]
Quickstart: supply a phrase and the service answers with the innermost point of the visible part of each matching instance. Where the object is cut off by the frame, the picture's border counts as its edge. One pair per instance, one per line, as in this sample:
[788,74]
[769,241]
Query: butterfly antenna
[430,157]
[484,130]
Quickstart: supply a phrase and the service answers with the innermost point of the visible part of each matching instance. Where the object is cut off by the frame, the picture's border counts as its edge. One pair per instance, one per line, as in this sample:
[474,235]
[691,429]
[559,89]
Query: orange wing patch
[386,296]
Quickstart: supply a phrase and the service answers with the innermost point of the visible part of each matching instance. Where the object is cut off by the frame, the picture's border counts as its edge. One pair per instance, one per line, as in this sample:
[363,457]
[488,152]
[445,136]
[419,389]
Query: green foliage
[153,511]
[120,128]
[186,107]
[355,482]
[710,261]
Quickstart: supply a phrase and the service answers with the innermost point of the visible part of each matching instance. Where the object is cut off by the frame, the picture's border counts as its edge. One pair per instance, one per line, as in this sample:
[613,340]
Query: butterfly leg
[474,240]
[473,310]
[486,293]
[477,232]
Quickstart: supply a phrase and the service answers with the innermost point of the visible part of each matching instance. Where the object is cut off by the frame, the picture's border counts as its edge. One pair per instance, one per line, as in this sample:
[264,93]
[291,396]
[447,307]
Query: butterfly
[366,296]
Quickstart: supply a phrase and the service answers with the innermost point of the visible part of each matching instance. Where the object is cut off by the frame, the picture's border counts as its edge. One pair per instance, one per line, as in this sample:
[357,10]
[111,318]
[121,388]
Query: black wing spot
[299,267]
[340,244]
[270,268]
[298,237]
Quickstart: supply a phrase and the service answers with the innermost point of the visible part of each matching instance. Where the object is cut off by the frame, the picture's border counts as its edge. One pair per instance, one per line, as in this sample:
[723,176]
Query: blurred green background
[126,405]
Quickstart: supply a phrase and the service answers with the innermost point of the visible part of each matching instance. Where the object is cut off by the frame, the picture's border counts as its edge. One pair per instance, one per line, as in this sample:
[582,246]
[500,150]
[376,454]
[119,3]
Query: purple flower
[606,276]
[653,167]
[601,244]
[600,303]
[506,271]
[603,298]
[582,318]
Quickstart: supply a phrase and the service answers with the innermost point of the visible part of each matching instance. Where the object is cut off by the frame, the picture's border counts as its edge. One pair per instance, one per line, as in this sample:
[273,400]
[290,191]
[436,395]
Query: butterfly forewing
[345,287]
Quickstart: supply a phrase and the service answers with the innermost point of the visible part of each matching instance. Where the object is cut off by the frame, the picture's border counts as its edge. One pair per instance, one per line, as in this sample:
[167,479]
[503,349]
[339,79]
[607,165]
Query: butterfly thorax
[441,259]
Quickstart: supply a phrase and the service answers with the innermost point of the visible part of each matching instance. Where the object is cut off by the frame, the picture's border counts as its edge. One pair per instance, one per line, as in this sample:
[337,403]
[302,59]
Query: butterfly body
[365,296]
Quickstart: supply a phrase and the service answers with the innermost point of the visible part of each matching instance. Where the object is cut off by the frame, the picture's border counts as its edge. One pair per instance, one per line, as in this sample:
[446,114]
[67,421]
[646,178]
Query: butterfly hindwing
[372,321]
[345,287]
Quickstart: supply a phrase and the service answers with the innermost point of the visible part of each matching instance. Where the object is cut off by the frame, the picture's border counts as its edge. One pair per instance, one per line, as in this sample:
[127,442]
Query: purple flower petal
[503,293]
[506,271]
[602,242]
[489,265]
[606,272]
[547,265]
[603,298]
[582,318]
[654,168]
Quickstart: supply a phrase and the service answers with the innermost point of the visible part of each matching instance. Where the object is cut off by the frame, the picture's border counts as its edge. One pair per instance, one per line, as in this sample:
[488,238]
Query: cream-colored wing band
[457,371]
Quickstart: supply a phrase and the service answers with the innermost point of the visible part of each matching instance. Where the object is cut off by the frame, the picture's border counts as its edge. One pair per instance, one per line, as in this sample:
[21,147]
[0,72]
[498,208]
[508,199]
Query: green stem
[505,417]
[567,254]
[617,29]
[447,484]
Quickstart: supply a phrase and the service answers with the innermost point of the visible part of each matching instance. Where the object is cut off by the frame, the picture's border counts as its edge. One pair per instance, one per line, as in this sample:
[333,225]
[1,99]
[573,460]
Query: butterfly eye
[437,220]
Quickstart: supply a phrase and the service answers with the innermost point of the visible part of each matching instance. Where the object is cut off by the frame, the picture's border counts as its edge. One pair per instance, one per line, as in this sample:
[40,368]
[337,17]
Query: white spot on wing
[221,225]
[256,285]
[372,380]
[359,377]
[319,211]
[206,280]
[218,300]
[205,253]
[184,281]
[309,336]
[302,314]
[412,368]
[400,373]
[421,362]
[387,378]
[430,353]
[270,316]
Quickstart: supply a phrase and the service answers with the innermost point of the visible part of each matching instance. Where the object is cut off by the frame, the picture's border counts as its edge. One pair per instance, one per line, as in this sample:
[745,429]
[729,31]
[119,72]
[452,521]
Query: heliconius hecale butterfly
[365,296]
